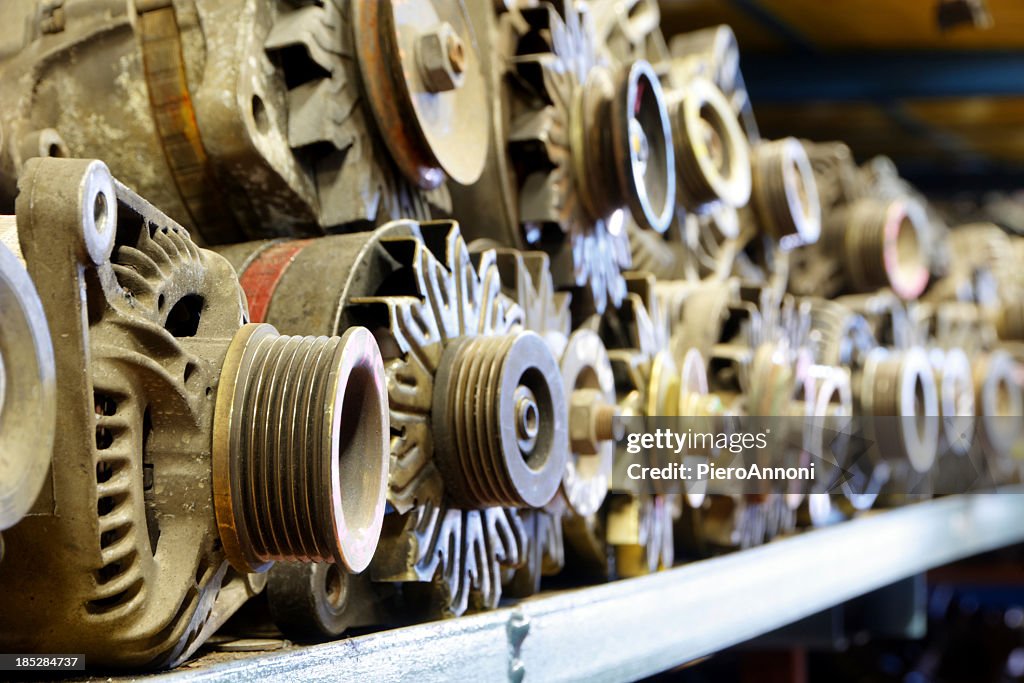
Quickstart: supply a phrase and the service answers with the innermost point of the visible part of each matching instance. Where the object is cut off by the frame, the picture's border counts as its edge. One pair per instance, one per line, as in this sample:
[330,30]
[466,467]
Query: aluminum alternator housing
[145,536]
[251,118]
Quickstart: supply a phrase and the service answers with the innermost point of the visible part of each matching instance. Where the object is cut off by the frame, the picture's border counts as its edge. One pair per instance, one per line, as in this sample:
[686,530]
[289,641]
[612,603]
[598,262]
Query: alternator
[188,440]
[478,409]
[576,147]
[253,118]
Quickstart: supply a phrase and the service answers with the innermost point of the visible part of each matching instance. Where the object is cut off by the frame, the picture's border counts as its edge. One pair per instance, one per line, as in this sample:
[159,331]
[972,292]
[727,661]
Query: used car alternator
[478,407]
[28,398]
[573,515]
[193,449]
[252,118]
[576,148]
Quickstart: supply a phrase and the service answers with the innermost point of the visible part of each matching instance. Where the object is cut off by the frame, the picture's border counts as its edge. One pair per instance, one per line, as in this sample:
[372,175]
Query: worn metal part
[839,336]
[785,197]
[122,557]
[28,392]
[499,425]
[712,153]
[761,362]
[901,385]
[425,85]
[879,244]
[896,392]
[983,272]
[956,400]
[714,54]
[320,601]
[588,371]
[577,147]
[681,389]
[890,319]
[999,400]
[835,174]
[881,178]
[841,339]
[303,420]
[250,118]
[639,526]
[426,295]
[830,399]
[592,411]
[664,257]
[628,30]
[707,244]
[586,375]
[174,117]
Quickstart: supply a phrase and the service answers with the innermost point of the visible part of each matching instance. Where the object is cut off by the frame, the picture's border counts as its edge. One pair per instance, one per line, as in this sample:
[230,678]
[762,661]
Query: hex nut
[442,59]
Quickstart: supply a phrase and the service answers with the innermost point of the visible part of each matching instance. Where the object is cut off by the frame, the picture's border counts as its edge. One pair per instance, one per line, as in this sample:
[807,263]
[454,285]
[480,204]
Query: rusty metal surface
[424,82]
[175,118]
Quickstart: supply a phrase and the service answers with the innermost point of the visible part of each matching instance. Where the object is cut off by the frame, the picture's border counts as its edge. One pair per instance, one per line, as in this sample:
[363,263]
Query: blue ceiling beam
[882,76]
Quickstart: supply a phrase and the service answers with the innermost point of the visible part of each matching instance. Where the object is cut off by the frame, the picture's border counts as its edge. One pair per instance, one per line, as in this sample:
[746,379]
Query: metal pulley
[784,196]
[423,78]
[499,417]
[478,410]
[28,401]
[304,420]
[897,394]
[879,243]
[712,153]
[622,146]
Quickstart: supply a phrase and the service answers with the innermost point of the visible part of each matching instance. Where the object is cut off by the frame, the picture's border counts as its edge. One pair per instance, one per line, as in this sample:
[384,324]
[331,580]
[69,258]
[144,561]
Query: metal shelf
[629,629]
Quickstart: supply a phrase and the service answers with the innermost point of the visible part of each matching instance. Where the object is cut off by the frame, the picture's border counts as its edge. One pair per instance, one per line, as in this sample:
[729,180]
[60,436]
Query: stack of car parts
[455,250]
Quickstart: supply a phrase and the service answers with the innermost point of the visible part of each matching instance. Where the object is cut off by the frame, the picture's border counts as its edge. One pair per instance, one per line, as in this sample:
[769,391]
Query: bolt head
[441,56]
[590,421]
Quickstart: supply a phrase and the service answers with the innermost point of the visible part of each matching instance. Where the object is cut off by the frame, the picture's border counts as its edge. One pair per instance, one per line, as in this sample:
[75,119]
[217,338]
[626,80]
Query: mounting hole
[259,114]
[100,212]
[335,587]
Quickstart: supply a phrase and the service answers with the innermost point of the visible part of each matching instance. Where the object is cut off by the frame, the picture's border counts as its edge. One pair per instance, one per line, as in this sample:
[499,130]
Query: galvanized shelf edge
[629,629]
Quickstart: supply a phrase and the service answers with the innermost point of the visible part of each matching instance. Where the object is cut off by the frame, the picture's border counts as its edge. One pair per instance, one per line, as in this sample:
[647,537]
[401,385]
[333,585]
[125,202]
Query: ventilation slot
[117,580]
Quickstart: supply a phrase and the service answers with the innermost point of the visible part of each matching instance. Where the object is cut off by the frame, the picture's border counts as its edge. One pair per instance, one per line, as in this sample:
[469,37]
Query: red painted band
[261,278]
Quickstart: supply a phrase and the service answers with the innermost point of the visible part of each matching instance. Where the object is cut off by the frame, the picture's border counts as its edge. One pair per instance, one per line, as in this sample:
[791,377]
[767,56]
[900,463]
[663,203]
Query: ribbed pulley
[301,448]
[500,421]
